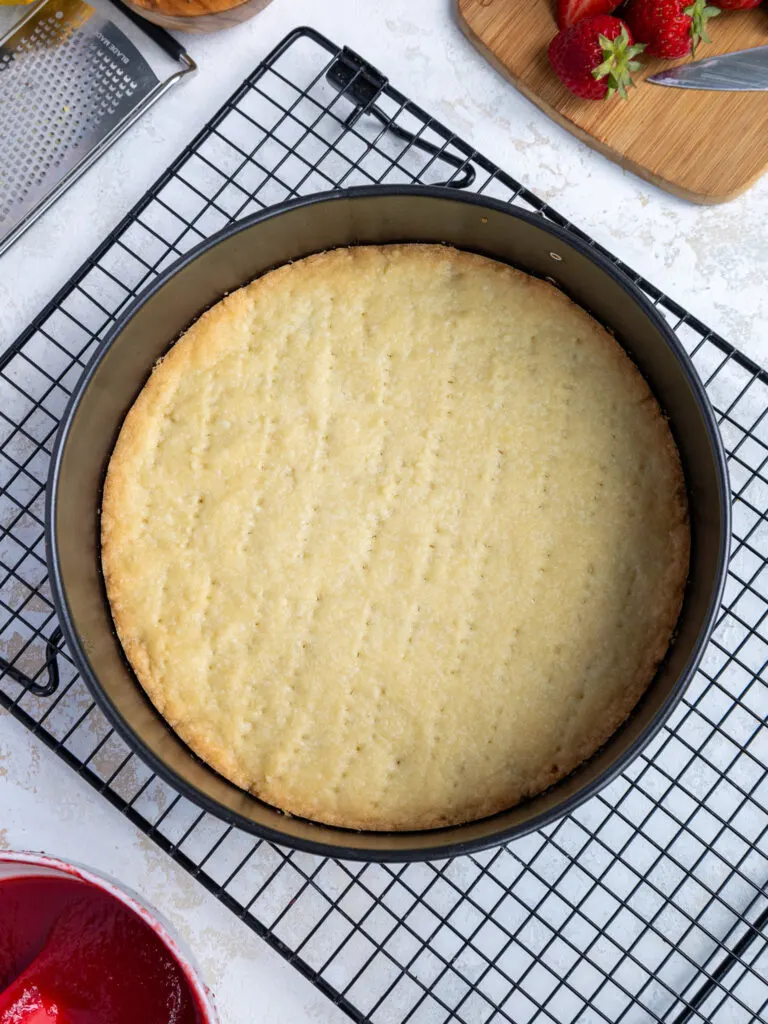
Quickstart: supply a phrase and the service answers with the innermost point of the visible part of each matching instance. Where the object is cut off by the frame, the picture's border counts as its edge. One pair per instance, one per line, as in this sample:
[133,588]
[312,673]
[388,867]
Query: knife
[740,71]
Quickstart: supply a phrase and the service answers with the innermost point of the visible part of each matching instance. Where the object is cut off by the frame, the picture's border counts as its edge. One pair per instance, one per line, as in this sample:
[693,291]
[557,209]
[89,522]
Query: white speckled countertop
[713,260]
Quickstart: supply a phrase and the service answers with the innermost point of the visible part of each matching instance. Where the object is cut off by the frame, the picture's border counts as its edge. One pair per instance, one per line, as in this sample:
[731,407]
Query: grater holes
[52,122]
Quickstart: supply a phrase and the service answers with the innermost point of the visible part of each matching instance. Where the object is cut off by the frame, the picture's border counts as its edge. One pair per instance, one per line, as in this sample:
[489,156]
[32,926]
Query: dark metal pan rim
[396,853]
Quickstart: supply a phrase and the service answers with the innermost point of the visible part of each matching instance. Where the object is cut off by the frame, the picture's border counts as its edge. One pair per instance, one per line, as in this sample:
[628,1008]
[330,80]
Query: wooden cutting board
[704,146]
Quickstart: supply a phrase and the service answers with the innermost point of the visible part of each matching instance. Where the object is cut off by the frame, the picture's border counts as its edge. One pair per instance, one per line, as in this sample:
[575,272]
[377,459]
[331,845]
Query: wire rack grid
[647,904]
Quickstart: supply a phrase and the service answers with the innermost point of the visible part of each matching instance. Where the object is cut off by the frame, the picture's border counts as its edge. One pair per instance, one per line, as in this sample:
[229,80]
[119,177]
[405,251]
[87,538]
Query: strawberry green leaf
[617,64]
[700,12]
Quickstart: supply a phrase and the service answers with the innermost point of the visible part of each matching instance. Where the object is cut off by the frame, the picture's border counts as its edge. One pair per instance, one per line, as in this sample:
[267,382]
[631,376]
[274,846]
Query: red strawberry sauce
[97,961]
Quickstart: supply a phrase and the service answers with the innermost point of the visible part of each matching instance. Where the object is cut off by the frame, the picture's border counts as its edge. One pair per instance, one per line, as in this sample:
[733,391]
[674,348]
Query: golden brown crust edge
[187,348]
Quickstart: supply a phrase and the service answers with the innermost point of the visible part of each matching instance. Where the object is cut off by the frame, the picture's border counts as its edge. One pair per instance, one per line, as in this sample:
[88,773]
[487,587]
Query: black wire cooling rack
[650,902]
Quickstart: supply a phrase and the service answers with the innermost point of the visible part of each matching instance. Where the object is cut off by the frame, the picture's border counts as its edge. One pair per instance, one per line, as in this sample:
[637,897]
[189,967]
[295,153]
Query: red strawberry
[670,28]
[571,11]
[595,57]
[736,5]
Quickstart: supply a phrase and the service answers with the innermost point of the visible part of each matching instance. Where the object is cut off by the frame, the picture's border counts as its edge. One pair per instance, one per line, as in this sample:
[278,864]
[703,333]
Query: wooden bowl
[196,15]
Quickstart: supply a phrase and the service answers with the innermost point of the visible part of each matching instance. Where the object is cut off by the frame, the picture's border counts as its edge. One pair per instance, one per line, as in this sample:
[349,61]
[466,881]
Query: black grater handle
[164,39]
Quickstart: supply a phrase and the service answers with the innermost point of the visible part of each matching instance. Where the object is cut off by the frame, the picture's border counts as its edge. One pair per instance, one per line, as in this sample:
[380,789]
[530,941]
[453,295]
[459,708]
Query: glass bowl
[37,865]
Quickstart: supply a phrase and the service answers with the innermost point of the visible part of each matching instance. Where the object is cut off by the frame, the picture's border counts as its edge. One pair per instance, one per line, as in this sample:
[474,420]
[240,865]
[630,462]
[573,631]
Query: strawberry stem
[618,63]
[700,12]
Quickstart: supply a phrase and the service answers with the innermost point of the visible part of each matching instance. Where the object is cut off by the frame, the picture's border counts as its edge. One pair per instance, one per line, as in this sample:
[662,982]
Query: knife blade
[740,71]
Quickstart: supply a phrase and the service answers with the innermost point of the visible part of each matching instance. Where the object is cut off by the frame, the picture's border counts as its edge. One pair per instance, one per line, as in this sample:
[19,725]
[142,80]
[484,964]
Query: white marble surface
[713,260]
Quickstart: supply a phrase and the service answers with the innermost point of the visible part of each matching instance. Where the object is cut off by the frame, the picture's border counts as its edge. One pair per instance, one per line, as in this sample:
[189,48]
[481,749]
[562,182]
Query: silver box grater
[71,82]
